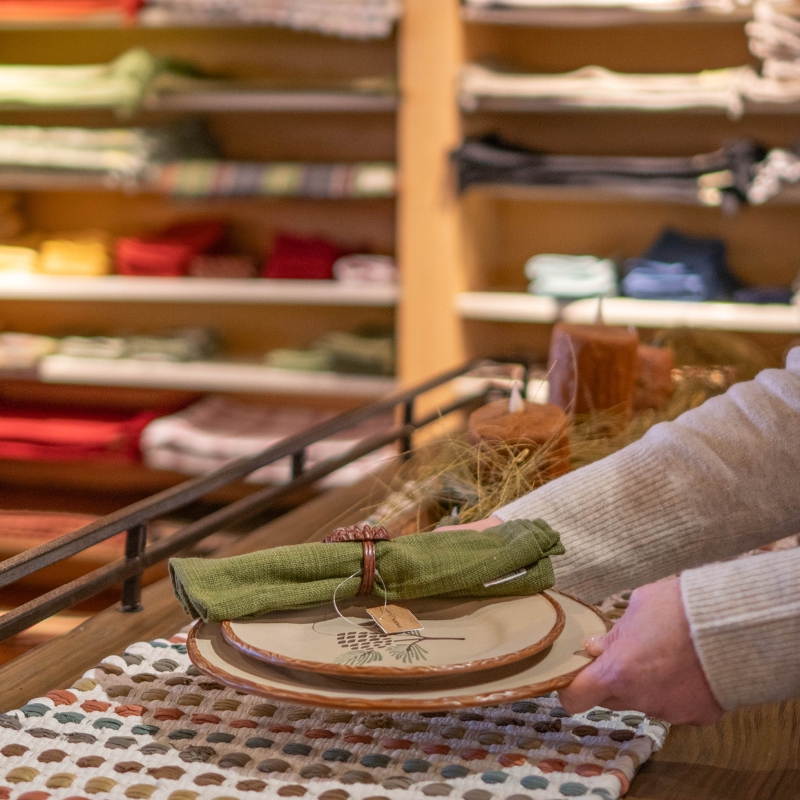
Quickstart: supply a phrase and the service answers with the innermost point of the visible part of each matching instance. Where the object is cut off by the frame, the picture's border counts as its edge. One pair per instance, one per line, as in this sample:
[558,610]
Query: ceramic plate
[549,670]
[461,635]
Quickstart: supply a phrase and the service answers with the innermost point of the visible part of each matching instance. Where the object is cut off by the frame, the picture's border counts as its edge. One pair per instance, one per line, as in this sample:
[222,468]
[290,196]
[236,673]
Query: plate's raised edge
[394,704]
[421,671]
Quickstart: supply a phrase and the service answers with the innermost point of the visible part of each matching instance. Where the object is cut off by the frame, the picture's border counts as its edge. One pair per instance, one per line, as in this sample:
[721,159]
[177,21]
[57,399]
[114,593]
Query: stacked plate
[469,652]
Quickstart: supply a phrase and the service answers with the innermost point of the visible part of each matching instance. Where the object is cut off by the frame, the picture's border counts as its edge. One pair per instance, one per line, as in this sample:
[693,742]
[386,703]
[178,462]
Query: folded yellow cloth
[17,259]
[65,257]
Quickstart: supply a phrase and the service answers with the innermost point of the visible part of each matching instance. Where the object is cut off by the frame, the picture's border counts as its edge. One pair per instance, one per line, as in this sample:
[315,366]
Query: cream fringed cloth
[149,725]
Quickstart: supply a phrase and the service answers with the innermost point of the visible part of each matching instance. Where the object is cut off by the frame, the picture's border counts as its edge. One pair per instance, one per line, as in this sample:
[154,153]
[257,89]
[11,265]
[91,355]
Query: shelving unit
[477,243]
[253,125]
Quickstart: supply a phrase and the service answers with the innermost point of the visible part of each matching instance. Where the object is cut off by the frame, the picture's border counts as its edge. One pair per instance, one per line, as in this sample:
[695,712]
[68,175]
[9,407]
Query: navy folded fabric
[655,280]
[703,257]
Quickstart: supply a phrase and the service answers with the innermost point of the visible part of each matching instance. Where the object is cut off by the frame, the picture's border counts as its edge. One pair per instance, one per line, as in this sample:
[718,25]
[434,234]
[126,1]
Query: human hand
[647,662]
[478,525]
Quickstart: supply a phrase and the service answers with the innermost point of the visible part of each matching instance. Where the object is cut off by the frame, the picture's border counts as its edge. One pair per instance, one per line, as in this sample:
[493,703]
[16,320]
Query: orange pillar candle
[532,425]
[592,367]
[654,385]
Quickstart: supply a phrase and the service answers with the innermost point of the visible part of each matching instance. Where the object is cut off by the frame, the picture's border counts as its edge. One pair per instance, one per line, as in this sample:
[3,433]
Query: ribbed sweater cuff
[744,618]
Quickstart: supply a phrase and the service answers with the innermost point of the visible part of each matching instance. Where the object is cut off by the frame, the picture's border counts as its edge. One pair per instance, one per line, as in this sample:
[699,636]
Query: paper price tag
[394,619]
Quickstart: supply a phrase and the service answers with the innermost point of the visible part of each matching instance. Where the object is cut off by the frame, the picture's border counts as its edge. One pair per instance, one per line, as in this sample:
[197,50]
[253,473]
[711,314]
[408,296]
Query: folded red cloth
[168,253]
[297,257]
[21,10]
[56,433]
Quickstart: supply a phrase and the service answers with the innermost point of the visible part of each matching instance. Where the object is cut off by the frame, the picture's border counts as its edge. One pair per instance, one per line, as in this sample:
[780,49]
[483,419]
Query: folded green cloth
[444,564]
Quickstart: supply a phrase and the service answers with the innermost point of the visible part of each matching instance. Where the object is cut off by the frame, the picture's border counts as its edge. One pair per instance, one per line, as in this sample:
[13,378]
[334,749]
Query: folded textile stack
[681,267]
[365,268]
[774,36]
[16,260]
[721,6]
[778,168]
[54,433]
[566,276]
[190,344]
[355,19]
[727,171]
[55,10]
[92,346]
[597,87]
[124,152]
[23,350]
[216,430]
[189,177]
[120,84]
[82,254]
[365,353]
[169,252]
[295,257]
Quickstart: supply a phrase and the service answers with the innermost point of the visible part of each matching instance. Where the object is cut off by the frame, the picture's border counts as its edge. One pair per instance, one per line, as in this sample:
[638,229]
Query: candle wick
[515,402]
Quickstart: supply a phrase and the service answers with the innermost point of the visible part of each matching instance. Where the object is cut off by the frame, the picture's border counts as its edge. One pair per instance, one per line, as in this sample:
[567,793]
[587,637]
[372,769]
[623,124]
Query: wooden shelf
[676,314]
[520,307]
[209,376]
[789,195]
[44,180]
[247,100]
[473,104]
[567,16]
[254,291]
[299,101]
[507,307]
[153,18]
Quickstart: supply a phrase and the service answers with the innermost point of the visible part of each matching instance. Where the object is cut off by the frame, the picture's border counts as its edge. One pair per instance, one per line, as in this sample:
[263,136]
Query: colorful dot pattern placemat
[149,726]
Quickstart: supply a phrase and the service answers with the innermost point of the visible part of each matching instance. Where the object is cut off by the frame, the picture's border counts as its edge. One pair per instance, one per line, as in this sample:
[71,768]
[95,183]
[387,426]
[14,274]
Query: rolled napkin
[444,564]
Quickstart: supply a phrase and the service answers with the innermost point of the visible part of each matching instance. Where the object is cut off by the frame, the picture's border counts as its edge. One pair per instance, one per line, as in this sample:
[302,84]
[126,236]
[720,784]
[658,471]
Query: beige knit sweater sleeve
[719,480]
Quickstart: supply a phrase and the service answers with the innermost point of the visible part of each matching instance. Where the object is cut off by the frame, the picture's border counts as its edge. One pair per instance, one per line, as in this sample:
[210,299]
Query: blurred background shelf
[209,376]
[585,17]
[789,195]
[520,307]
[477,104]
[507,307]
[119,288]
[675,314]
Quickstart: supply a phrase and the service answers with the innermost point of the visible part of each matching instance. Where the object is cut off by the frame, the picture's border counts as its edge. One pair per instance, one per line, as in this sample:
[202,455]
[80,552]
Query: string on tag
[355,575]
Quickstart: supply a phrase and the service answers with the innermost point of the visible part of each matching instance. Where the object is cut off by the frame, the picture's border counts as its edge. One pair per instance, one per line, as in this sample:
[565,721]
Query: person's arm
[721,479]
[719,637]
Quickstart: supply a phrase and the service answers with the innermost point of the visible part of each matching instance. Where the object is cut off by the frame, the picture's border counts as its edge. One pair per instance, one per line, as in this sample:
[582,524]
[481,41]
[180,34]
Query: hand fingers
[594,645]
[585,692]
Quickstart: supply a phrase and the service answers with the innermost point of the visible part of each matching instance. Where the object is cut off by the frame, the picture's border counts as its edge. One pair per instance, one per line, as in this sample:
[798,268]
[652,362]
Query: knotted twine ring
[367,535]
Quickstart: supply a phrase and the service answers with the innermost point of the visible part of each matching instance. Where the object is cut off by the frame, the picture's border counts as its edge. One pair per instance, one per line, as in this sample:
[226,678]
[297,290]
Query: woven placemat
[148,724]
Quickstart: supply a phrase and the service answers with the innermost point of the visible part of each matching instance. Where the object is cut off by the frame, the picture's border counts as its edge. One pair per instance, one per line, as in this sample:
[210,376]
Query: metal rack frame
[133,520]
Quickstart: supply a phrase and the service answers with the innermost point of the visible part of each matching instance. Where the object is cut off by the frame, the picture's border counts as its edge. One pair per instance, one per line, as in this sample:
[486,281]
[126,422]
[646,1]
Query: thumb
[586,691]
[597,645]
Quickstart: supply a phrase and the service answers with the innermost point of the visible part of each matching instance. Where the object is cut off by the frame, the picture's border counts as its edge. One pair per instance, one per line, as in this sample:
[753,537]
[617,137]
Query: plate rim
[354,703]
[421,671]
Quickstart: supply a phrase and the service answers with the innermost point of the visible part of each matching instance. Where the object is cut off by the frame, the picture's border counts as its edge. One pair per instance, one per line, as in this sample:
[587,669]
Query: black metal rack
[134,519]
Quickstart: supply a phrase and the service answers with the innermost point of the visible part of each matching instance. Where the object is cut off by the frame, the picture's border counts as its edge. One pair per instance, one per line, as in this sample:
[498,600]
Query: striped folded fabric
[207,178]
[355,19]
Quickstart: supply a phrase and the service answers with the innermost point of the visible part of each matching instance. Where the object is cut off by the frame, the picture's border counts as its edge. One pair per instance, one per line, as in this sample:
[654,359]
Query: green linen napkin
[445,564]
